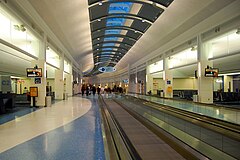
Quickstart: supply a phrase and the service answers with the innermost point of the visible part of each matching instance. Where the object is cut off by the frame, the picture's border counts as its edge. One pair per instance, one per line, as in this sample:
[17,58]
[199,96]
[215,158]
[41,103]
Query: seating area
[22,100]
[9,101]
[184,94]
[231,98]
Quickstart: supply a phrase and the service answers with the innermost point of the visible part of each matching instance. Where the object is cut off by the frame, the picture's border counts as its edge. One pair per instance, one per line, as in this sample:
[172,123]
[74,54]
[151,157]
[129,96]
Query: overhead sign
[125,81]
[107,69]
[5,84]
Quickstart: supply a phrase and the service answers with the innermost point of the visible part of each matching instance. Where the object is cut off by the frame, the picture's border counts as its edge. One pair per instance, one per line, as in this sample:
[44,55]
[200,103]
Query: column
[149,80]
[137,88]
[228,83]
[40,82]
[59,81]
[205,84]
[167,78]
[68,84]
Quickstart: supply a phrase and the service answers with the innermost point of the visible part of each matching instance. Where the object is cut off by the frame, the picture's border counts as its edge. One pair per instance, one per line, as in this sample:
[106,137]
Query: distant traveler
[87,90]
[94,90]
[98,90]
[25,91]
[83,89]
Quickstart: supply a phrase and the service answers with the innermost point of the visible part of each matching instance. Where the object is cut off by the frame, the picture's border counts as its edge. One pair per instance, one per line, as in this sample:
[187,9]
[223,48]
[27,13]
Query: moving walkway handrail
[129,150]
[183,149]
[228,129]
[223,132]
[185,101]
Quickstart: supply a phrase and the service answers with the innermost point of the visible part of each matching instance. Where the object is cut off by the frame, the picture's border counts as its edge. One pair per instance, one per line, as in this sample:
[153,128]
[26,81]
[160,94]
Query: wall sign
[33,91]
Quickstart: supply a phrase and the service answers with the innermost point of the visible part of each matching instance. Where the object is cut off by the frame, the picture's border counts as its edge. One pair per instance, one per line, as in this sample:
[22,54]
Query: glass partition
[156,67]
[52,57]
[16,33]
[185,57]
[225,44]
[66,66]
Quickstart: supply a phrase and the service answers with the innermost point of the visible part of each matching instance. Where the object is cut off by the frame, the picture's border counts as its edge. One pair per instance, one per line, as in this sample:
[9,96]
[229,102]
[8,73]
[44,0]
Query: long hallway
[69,129]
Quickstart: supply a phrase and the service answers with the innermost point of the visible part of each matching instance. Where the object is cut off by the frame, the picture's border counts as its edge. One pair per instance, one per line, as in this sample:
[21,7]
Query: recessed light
[238,31]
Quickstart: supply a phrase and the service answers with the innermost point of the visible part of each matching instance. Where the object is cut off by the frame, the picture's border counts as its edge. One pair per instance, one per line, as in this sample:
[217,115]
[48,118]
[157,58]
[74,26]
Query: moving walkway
[186,134]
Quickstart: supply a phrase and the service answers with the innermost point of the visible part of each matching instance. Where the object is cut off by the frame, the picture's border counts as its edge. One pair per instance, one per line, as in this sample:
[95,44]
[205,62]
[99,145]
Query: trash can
[48,101]
[195,98]
[65,96]
[161,94]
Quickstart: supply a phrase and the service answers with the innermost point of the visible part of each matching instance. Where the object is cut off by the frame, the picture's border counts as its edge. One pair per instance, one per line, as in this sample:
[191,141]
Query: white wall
[184,84]
[158,84]
[228,80]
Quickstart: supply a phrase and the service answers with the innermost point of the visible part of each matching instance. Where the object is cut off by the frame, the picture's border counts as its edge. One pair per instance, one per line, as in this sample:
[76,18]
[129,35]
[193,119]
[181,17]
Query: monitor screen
[211,72]
[34,72]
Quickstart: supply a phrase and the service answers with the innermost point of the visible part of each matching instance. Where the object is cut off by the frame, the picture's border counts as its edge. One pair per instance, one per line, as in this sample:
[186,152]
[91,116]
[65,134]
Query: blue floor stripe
[16,112]
[80,139]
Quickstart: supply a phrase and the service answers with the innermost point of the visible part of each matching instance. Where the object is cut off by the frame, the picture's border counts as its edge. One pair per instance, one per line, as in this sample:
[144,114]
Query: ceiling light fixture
[100,3]
[238,31]
[143,20]
[99,20]
[98,38]
[20,27]
[194,48]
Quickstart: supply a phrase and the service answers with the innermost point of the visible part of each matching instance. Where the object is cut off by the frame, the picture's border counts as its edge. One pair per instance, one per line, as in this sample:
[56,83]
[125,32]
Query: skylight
[121,7]
[116,26]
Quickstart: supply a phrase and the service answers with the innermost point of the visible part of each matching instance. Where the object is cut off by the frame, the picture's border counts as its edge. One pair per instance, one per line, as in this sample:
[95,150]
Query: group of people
[88,89]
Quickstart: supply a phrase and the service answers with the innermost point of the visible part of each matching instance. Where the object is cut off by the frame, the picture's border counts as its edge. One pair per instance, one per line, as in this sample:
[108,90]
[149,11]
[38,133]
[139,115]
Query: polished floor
[69,130]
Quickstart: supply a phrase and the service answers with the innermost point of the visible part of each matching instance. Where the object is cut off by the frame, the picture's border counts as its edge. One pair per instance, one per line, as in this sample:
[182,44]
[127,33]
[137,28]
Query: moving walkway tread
[218,126]
[147,144]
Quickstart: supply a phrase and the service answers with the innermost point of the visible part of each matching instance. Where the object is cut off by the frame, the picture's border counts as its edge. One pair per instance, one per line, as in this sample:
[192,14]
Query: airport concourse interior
[119,79]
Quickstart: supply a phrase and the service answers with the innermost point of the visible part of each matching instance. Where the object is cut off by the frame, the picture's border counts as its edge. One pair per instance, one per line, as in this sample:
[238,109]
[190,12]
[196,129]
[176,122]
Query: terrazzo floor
[69,130]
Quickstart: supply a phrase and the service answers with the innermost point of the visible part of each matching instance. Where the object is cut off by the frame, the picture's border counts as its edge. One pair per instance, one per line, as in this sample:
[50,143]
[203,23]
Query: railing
[209,139]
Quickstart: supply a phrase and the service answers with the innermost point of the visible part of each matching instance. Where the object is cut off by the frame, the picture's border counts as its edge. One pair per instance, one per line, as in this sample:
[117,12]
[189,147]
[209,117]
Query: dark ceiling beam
[121,50]
[114,35]
[144,2]
[120,28]
[102,52]
[116,42]
[125,16]
[115,47]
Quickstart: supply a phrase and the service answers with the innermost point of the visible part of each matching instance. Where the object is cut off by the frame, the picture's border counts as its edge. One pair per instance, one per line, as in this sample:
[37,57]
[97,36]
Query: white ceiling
[69,20]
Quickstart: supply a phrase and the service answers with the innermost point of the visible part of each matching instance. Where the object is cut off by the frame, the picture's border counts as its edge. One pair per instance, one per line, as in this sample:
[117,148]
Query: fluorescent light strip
[229,74]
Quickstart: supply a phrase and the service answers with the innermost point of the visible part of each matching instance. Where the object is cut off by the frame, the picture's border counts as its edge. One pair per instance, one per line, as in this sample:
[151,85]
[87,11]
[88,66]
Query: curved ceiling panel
[117,25]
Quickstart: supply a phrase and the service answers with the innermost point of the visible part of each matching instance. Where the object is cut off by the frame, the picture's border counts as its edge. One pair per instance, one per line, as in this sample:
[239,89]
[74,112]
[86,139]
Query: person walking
[93,90]
[83,89]
[98,90]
